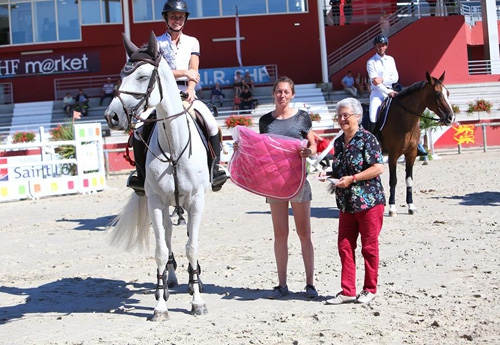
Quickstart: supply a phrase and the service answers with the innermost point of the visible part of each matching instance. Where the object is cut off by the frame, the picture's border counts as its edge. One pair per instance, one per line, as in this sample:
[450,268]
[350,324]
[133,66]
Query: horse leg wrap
[171,261]
[161,284]
[193,280]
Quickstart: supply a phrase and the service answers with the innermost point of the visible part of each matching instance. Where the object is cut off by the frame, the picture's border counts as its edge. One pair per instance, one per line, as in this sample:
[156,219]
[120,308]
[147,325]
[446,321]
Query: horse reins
[414,113]
[143,98]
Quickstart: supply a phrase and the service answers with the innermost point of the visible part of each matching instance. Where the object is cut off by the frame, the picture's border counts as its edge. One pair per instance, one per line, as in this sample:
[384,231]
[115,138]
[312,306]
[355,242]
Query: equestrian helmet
[175,6]
[380,39]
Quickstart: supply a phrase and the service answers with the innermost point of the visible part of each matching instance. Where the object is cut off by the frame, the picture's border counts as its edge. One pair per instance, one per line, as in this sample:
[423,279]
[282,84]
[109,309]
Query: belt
[182,82]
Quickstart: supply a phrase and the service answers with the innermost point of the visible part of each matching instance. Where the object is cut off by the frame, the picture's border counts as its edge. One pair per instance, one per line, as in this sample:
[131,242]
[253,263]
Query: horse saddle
[200,124]
[383,110]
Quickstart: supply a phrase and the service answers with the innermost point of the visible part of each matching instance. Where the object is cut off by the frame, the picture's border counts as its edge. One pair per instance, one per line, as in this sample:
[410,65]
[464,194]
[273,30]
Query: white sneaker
[339,299]
[365,297]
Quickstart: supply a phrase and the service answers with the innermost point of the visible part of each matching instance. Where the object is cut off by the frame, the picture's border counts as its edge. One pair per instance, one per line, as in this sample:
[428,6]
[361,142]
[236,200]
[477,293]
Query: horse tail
[131,225]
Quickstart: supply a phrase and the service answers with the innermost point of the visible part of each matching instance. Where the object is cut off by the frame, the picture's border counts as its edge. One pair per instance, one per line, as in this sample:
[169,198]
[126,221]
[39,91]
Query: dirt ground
[62,283]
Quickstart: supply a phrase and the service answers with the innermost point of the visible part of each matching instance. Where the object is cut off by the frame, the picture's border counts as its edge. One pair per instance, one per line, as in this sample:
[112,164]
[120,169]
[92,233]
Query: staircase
[26,114]
[363,43]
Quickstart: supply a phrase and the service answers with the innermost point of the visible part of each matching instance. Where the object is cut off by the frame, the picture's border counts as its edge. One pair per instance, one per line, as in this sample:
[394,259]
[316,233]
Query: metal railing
[6,96]
[484,67]
[363,43]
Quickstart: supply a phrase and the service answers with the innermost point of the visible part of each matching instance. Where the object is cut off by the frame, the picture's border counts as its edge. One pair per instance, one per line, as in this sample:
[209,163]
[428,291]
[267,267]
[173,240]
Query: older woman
[357,165]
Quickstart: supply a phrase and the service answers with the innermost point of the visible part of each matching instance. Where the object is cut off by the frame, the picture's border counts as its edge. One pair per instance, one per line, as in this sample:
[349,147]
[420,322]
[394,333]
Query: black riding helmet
[175,6]
[380,39]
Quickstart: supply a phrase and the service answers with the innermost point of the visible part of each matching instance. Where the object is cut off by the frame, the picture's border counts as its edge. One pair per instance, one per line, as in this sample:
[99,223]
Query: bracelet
[354,180]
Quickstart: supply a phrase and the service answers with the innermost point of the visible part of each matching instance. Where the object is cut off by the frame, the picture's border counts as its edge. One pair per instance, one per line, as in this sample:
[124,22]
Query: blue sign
[225,76]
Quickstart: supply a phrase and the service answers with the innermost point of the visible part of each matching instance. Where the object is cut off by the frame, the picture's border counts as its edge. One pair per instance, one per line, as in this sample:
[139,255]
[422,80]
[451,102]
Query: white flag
[238,37]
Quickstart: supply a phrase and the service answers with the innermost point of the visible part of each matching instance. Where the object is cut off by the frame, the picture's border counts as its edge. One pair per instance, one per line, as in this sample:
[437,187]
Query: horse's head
[439,101]
[140,89]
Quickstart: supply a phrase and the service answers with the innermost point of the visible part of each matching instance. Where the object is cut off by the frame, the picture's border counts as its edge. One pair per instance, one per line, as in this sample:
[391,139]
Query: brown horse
[401,132]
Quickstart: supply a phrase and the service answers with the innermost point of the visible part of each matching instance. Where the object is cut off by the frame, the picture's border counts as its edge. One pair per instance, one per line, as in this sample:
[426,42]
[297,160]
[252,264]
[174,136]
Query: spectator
[68,102]
[238,82]
[385,24]
[248,81]
[357,164]
[217,95]
[236,102]
[348,84]
[246,99]
[348,11]
[108,91]
[82,102]
[360,85]
[334,13]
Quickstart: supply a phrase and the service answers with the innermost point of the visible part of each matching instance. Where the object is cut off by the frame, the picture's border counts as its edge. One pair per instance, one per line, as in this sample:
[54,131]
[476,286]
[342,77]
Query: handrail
[362,43]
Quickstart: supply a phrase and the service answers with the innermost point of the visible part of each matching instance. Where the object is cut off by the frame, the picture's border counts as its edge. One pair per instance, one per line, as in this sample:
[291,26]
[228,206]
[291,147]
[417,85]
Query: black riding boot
[218,176]
[371,126]
[136,179]
[421,150]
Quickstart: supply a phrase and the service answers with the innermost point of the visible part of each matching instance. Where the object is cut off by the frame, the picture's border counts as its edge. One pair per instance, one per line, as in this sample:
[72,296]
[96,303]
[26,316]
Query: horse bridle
[143,99]
[438,120]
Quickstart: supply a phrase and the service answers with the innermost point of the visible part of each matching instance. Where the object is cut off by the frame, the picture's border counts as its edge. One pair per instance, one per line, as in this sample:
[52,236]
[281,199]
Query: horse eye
[438,94]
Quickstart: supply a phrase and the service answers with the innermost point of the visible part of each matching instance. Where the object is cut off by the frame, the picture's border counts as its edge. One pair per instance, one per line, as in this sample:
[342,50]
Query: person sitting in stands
[237,102]
[246,99]
[108,90]
[248,81]
[82,102]
[238,82]
[348,84]
[217,95]
[68,103]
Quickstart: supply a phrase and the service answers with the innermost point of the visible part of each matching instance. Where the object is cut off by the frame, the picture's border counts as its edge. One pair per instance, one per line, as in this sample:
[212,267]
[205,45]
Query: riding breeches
[375,102]
[210,121]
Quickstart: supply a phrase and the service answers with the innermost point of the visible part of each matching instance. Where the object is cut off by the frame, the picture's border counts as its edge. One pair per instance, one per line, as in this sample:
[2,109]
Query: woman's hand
[236,145]
[305,152]
[322,176]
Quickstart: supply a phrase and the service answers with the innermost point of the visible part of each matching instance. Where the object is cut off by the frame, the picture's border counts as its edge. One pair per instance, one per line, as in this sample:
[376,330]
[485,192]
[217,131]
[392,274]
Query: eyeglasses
[174,17]
[345,115]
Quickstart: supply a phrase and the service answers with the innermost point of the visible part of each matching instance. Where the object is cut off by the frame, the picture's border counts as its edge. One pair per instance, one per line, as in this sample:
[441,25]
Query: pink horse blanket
[268,165]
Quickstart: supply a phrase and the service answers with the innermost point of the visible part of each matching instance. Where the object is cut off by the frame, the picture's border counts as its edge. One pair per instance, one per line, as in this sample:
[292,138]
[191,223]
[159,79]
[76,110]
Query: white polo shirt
[178,56]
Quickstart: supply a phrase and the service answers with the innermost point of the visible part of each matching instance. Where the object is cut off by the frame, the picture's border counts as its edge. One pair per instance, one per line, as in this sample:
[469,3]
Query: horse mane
[419,85]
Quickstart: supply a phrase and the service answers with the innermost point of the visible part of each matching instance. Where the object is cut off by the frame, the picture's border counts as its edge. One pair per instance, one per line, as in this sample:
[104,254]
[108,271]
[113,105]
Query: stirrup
[136,184]
[219,177]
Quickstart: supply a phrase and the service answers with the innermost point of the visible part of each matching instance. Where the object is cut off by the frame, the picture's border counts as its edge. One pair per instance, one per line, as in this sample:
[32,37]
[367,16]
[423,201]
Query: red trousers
[368,224]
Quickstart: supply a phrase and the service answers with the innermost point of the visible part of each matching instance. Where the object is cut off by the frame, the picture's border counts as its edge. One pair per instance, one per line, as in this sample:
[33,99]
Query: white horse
[176,169]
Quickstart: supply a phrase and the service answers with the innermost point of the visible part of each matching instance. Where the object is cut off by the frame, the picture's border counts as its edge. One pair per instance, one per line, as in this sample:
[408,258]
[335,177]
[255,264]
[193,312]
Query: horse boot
[421,152]
[136,178]
[218,176]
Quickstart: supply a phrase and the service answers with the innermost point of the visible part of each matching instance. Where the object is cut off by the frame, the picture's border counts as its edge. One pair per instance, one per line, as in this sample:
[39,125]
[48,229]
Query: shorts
[305,194]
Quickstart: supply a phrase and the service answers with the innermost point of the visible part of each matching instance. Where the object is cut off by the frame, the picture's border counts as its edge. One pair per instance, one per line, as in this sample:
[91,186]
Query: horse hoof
[160,316]
[181,222]
[393,213]
[198,310]
[412,212]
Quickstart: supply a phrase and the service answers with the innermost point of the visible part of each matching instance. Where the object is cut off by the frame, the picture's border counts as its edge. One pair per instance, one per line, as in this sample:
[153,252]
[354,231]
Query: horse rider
[383,74]
[182,52]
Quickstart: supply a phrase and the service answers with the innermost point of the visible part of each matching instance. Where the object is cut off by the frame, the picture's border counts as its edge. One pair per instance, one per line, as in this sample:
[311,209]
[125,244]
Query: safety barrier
[34,170]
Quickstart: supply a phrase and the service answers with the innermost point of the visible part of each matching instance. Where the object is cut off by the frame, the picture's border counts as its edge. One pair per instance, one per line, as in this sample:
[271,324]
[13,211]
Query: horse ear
[130,48]
[441,78]
[152,45]
[428,77]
